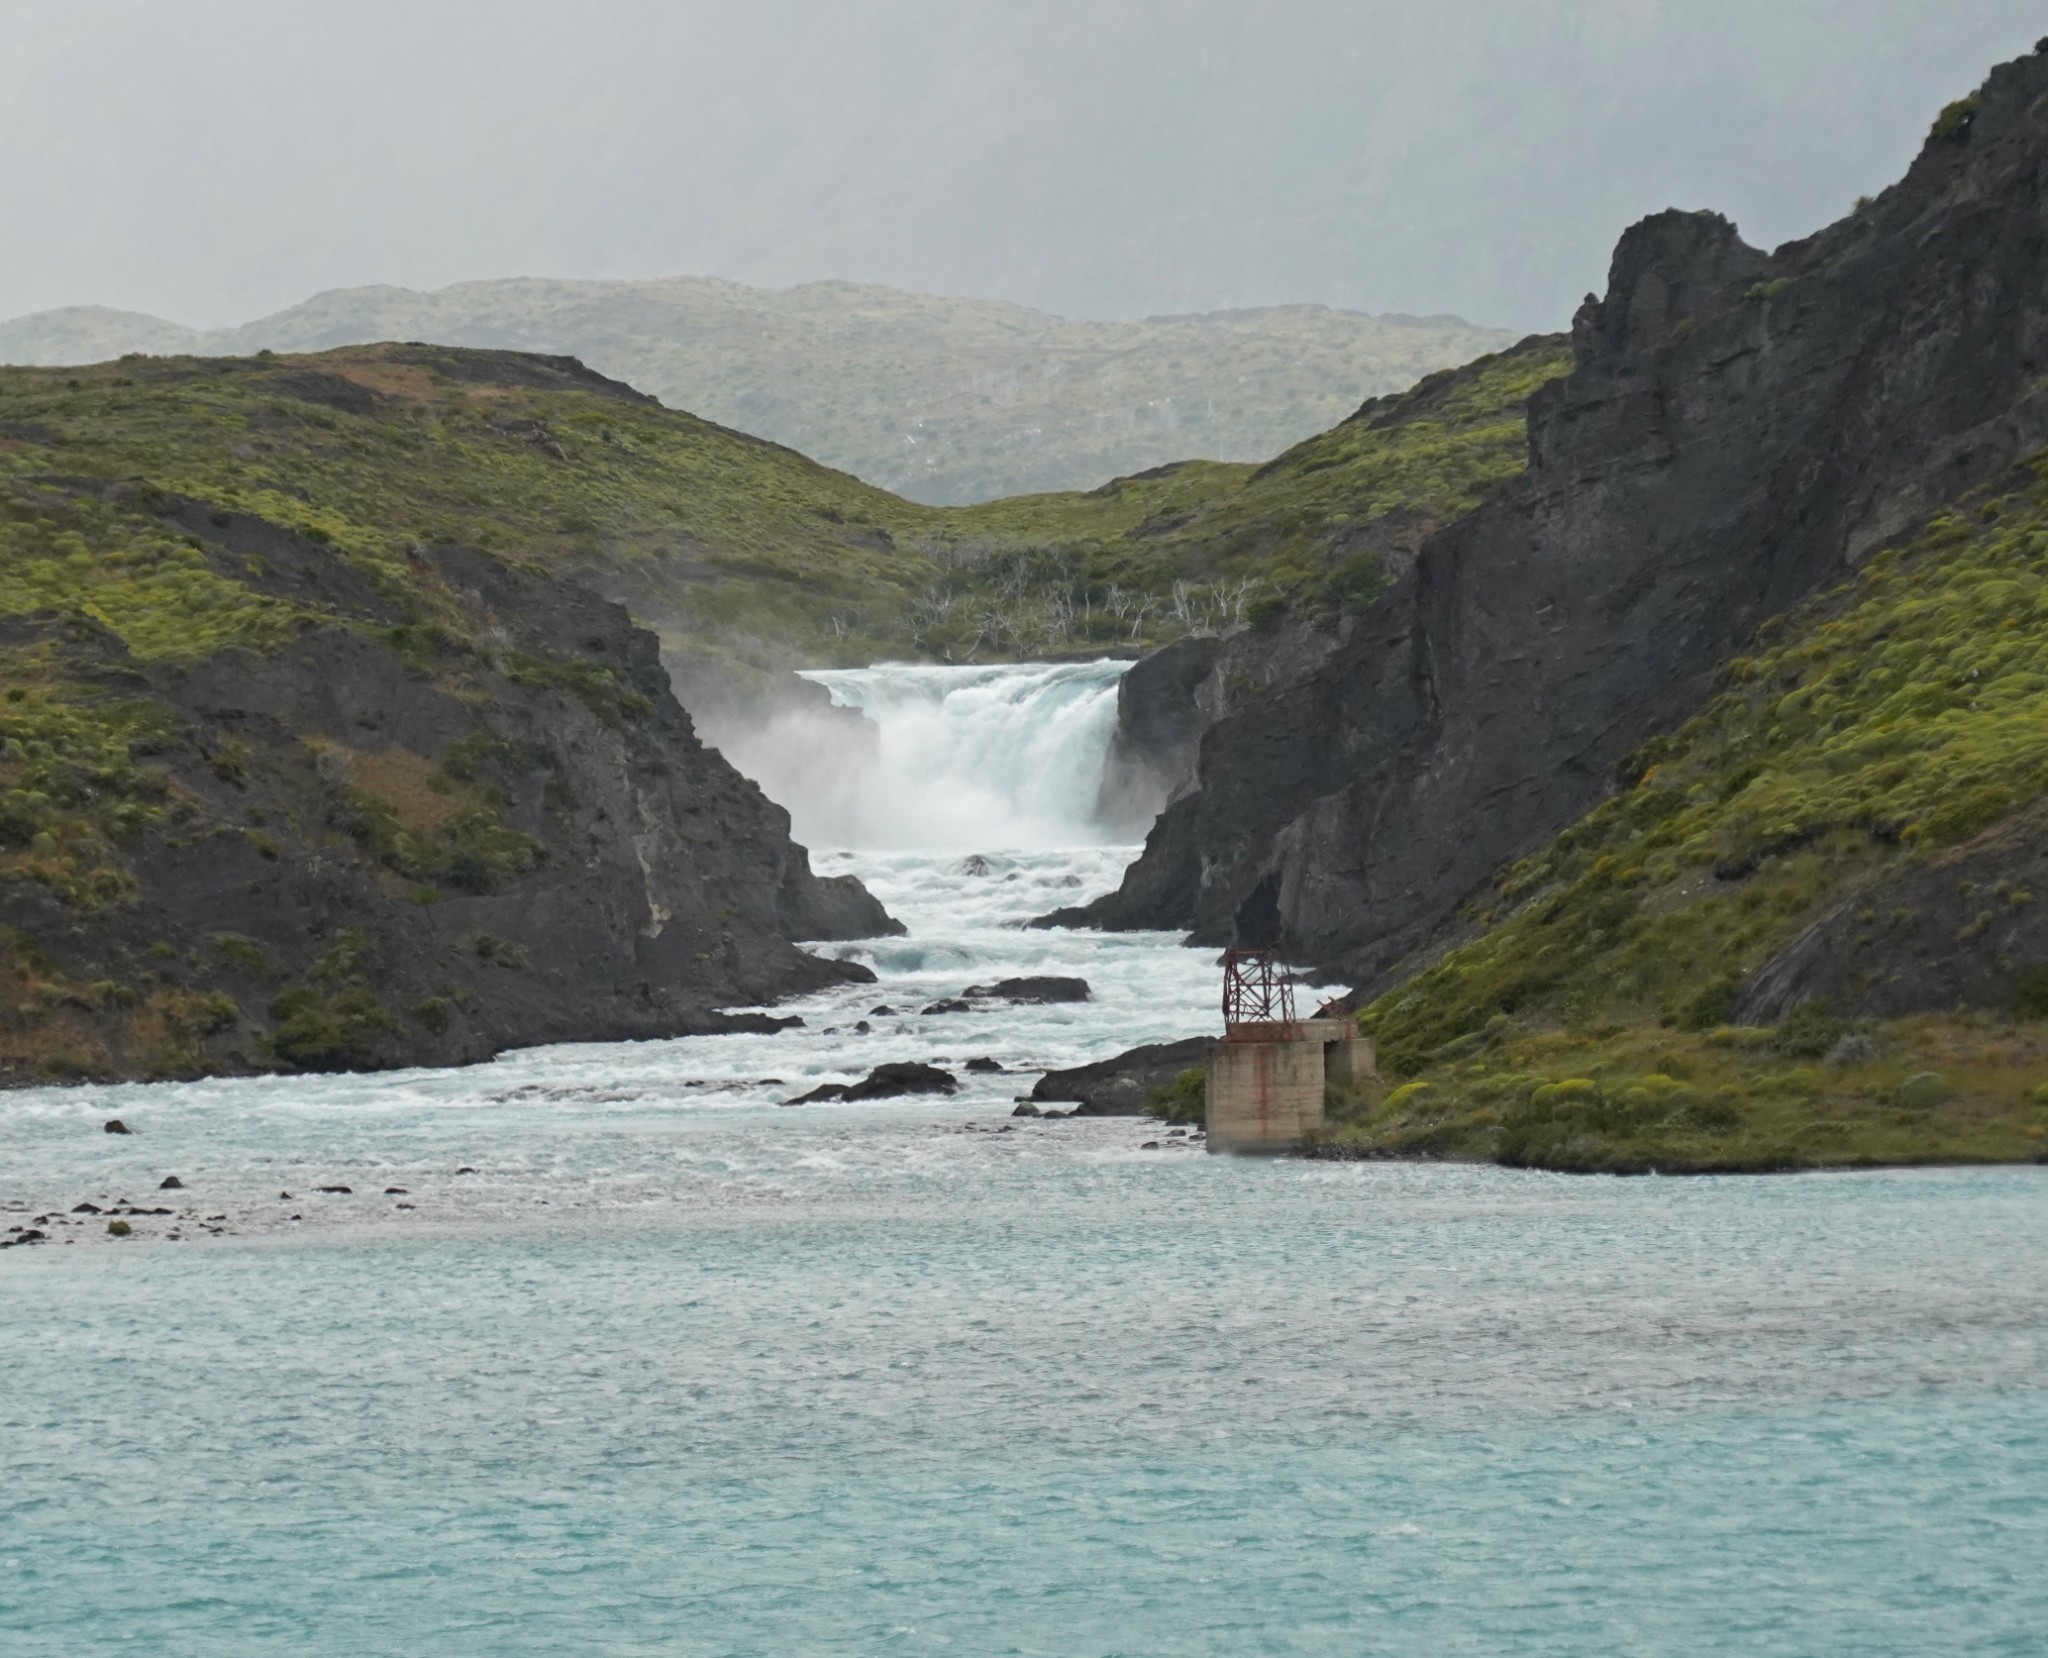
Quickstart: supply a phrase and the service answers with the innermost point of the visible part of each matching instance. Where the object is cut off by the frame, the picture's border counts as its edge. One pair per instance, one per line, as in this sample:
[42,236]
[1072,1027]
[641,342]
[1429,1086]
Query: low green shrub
[1955,120]
[315,1031]
[1183,1100]
[1923,1090]
[2030,994]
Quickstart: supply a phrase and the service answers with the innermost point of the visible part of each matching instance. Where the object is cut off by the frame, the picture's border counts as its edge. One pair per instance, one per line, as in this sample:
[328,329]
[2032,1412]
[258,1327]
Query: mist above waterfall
[966,759]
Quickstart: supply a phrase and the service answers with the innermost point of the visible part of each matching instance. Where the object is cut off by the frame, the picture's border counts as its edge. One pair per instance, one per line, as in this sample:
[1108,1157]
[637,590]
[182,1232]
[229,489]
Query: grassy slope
[1194,546]
[1872,729]
[943,400]
[750,553]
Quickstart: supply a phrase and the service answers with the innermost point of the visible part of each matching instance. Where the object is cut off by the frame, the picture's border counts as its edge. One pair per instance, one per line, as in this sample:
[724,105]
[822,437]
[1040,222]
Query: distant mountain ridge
[937,399]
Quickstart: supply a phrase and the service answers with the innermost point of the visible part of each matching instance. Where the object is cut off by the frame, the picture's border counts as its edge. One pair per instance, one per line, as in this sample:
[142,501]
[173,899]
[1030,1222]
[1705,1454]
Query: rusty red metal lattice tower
[1256,989]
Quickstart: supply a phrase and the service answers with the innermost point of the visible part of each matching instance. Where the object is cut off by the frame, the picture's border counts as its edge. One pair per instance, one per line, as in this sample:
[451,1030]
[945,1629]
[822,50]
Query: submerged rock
[951,1005]
[1025,1108]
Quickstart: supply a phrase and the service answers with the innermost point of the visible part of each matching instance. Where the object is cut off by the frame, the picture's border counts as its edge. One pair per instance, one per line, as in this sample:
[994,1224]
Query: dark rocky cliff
[1739,429]
[446,816]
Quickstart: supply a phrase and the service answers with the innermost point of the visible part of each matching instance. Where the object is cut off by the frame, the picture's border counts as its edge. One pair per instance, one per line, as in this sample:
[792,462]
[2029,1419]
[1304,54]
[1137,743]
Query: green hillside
[1878,764]
[936,399]
[745,556]
[181,539]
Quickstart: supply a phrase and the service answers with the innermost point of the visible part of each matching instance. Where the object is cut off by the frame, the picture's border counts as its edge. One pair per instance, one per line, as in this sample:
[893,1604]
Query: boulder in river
[170,1183]
[886,1082]
[1044,988]
[984,1064]
[1119,1087]
[903,1077]
[114,1125]
[950,1005]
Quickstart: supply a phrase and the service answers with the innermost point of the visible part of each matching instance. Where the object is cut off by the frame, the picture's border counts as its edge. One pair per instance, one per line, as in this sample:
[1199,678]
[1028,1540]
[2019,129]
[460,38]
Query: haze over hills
[937,399]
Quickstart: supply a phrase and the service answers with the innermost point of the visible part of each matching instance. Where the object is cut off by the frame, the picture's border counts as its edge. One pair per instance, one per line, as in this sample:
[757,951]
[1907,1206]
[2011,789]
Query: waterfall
[966,759]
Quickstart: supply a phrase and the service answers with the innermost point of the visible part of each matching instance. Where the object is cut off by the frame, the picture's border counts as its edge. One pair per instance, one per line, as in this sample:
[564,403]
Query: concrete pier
[1266,1081]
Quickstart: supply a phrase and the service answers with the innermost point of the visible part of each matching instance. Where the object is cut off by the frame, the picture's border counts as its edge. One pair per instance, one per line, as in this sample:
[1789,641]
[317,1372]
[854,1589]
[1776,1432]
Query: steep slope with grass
[1738,430]
[941,400]
[294,776]
[1808,931]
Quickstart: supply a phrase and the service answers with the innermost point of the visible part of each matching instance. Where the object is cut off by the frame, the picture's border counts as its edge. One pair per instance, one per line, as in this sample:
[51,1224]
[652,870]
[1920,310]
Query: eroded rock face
[1739,429]
[653,885]
[1160,718]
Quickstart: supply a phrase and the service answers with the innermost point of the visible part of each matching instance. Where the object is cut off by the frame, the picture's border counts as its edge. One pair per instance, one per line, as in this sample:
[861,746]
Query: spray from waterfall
[914,757]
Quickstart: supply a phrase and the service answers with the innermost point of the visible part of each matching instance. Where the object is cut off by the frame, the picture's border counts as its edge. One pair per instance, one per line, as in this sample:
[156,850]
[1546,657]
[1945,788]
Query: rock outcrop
[1160,718]
[390,843]
[1739,428]
[1961,930]
[1119,1087]
[889,1081]
[1035,990]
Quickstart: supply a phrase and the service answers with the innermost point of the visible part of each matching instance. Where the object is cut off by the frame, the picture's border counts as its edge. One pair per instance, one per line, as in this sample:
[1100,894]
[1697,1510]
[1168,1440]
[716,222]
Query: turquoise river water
[679,1370]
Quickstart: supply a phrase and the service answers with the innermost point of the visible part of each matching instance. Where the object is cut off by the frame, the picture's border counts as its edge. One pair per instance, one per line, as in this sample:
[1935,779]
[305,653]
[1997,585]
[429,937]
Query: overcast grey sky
[211,160]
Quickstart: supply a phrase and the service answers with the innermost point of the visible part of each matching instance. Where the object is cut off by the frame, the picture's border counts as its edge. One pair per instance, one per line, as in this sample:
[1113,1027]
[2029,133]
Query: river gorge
[610,1347]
